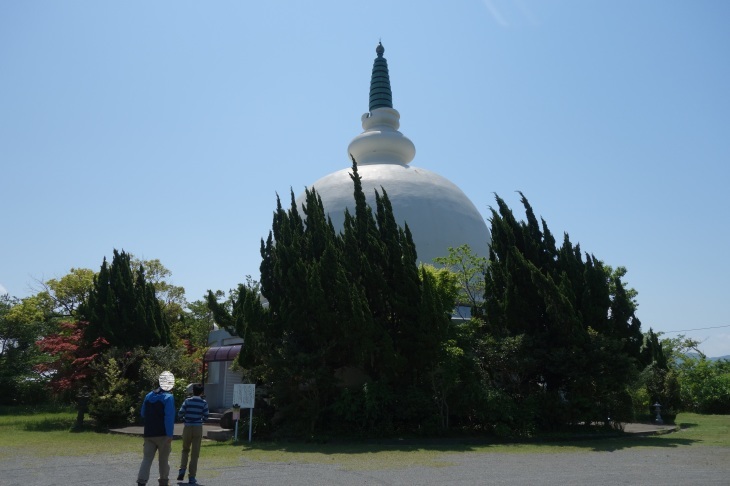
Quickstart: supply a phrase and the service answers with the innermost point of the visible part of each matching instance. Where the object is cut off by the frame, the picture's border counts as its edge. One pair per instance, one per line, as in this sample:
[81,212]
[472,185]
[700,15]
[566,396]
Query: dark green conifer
[574,321]
[123,309]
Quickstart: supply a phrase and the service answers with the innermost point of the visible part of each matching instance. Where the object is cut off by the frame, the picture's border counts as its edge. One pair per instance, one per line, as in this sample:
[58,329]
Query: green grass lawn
[48,433]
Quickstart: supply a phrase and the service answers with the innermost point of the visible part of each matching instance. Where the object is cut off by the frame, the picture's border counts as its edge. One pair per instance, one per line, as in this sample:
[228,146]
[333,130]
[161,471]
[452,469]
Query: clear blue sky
[166,129]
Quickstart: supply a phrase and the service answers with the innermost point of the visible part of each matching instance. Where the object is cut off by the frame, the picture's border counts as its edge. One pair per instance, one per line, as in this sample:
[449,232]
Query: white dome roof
[438,213]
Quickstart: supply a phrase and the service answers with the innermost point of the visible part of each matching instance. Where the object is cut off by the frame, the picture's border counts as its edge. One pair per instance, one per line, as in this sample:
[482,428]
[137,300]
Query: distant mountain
[716,358]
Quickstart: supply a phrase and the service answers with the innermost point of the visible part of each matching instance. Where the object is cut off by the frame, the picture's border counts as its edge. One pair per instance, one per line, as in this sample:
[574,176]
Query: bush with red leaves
[69,367]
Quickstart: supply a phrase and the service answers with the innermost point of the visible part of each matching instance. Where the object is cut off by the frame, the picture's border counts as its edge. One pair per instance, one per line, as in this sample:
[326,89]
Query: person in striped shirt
[194,411]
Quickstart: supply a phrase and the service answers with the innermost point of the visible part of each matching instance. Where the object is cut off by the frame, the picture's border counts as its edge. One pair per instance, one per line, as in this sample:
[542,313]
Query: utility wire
[698,329]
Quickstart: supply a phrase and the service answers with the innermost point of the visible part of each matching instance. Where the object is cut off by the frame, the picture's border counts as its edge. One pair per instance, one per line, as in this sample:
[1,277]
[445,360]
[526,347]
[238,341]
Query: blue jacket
[158,412]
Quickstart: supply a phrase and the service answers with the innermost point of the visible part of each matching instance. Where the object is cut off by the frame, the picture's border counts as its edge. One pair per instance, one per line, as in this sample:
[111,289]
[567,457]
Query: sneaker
[192,480]
[181,474]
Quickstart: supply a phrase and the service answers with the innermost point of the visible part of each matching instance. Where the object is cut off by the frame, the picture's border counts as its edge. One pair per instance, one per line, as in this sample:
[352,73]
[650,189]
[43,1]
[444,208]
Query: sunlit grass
[48,433]
[710,430]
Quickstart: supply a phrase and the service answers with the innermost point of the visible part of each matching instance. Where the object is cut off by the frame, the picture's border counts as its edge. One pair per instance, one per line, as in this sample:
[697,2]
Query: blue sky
[167,128]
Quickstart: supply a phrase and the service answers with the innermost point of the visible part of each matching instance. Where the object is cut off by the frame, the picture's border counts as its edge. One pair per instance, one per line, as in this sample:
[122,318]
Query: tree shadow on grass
[620,443]
[615,442]
[687,425]
[67,424]
[49,425]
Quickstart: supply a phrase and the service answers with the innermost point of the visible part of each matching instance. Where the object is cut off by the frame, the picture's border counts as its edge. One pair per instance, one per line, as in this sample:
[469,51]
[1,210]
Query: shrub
[111,403]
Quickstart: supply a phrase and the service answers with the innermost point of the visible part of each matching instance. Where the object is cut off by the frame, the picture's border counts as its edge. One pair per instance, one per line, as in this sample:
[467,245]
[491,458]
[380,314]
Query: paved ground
[674,463]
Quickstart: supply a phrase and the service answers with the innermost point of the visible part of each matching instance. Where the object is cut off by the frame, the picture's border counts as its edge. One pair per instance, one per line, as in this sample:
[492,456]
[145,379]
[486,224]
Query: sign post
[245,396]
[235,416]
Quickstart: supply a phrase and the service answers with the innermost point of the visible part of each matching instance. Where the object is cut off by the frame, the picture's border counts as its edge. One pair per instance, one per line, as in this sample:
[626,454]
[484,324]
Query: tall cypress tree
[122,307]
[573,321]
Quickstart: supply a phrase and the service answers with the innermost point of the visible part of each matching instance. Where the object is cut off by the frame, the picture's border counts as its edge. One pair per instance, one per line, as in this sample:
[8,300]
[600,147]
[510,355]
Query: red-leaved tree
[69,366]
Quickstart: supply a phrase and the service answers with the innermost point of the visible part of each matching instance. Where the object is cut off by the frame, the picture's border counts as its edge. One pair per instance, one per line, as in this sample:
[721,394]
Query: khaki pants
[192,436]
[151,446]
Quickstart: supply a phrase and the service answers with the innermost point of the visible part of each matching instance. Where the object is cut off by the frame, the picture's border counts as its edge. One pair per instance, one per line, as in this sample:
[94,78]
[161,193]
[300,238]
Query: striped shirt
[193,411]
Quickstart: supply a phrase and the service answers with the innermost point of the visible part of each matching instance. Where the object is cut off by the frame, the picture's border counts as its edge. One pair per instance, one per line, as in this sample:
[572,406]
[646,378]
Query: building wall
[220,378]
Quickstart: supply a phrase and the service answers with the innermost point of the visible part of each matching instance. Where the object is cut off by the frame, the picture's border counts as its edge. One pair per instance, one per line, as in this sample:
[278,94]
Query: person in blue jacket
[158,412]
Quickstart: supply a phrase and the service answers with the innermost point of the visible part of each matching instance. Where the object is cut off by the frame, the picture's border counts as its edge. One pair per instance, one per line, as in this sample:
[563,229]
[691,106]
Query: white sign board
[244,395]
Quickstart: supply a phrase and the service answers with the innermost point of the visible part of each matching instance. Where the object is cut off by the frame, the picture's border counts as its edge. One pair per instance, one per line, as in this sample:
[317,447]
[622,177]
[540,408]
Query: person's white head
[167,381]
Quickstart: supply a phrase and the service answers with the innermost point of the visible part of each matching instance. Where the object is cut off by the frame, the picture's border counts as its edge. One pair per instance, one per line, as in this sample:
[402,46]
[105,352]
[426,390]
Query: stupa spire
[381,142]
[380,94]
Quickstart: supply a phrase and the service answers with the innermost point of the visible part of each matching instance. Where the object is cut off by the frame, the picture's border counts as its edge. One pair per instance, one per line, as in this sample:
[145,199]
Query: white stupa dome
[438,213]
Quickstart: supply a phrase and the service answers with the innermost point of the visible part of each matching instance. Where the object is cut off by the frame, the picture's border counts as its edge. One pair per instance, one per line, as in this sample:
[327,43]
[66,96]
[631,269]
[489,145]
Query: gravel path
[680,465]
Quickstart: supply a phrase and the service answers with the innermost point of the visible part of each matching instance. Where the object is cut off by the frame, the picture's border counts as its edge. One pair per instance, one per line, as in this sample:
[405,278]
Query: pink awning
[222,353]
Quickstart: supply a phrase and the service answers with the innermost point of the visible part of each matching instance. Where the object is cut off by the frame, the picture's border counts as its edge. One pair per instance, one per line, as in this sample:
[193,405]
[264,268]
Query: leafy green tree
[123,307]
[171,297]
[194,325]
[68,292]
[158,275]
[470,269]
[454,374]
[706,386]
[22,323]
[702,385]
[26,368]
